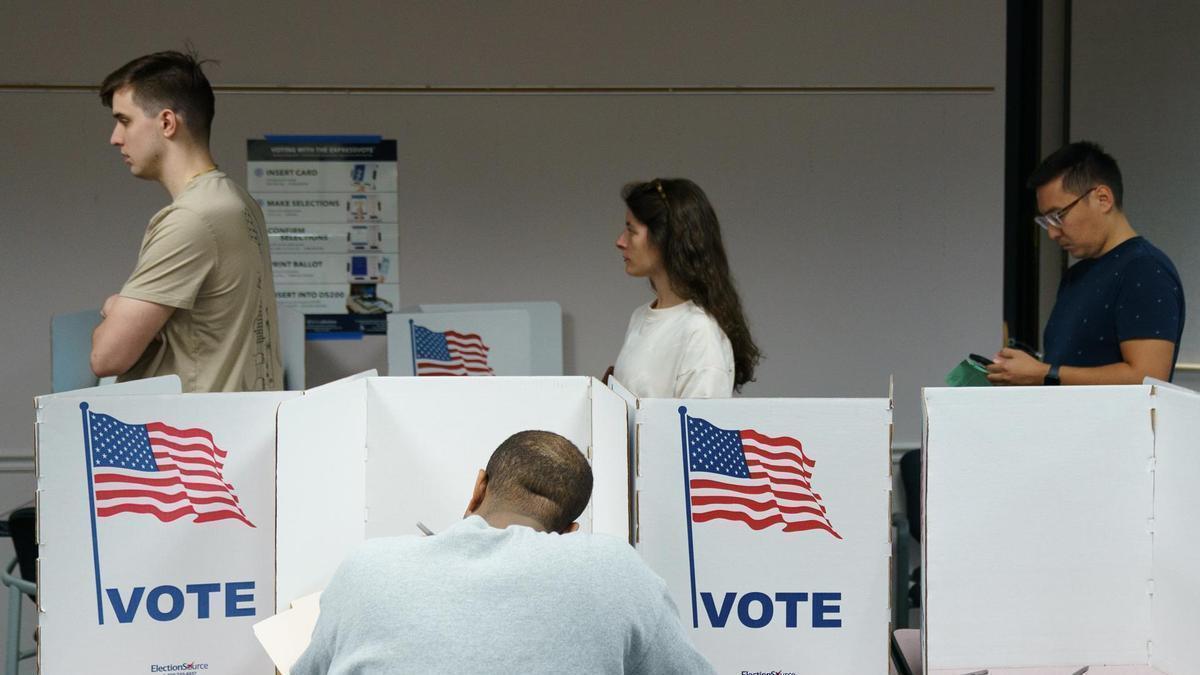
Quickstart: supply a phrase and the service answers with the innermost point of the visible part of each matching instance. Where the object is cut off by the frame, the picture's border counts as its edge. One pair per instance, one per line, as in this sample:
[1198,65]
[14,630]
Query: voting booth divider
[1060,530]
[160,544]
[481,343]
[170,524]
[497,338]
[156,528]
[545,328]
[70,350]
[769,521]
[395,451]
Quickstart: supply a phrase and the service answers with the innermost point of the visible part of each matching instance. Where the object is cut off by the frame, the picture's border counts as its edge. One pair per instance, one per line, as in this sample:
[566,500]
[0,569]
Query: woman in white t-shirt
[692,340]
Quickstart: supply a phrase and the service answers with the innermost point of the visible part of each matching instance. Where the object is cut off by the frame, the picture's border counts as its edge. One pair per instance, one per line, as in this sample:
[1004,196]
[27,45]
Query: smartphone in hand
[981,360]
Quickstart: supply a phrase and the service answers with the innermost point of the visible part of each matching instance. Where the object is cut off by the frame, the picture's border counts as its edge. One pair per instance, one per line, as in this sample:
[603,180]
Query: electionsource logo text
[179,668]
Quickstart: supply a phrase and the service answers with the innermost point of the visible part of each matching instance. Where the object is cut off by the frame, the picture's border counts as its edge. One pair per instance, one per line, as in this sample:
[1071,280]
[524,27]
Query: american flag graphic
[449,353]
[752,478]
[158,470]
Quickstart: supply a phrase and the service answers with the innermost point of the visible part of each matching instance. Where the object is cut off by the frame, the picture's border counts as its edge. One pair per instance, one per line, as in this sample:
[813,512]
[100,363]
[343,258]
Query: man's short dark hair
[1082,165]
[163,80]
[541,475]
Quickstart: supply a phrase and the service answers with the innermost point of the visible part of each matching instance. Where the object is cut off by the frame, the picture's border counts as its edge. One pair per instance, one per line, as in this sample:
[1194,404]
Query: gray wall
[864,228]
[1134,69]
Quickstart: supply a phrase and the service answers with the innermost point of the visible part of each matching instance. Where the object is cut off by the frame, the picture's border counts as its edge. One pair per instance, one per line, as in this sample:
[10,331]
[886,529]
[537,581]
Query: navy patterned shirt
[1132,292]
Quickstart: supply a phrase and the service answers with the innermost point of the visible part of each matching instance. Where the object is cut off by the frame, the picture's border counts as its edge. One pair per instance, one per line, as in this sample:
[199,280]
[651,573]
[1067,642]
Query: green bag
[968,374]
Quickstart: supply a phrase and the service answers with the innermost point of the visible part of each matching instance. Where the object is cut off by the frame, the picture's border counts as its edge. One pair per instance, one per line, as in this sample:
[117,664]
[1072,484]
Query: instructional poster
[332,219]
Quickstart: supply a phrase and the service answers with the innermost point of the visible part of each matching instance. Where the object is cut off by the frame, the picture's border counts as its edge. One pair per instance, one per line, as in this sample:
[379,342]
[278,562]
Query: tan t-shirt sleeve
[176,256]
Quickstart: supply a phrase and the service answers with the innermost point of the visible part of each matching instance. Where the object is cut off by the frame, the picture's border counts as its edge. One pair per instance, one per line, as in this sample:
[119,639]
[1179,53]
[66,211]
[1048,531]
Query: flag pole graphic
[687,500]
[412,338]
[87,449]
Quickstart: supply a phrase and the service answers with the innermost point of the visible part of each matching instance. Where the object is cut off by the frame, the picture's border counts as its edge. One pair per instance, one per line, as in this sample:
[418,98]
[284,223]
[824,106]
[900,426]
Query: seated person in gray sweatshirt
[505,590]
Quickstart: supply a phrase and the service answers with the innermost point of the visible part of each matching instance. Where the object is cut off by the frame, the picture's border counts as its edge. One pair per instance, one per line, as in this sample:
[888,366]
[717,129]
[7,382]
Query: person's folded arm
[128,326]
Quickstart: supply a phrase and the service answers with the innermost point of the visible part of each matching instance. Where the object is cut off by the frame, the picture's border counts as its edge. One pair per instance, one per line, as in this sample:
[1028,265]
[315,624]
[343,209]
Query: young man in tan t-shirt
[201,301]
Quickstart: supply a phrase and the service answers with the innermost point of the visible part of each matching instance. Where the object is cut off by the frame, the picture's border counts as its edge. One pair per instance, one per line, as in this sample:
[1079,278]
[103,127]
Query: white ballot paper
[286,635]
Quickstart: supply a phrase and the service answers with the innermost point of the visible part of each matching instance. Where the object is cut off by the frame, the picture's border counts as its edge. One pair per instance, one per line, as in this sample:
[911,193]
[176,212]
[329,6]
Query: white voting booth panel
[1060,530]
[1175,611]
[70,350]
[546,326]
[789,573]
[156,520]
[389,452]
[488,342]
[165,384]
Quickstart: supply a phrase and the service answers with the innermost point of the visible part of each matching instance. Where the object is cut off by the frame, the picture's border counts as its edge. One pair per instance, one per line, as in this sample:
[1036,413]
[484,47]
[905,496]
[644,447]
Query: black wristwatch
[1051,378]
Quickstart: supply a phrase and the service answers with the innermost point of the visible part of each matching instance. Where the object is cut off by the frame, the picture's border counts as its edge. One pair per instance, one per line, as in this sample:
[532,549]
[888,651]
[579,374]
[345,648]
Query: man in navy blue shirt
[1119,312]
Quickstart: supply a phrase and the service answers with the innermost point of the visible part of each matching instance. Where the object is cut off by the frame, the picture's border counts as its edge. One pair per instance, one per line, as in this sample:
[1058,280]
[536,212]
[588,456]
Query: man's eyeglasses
[1055,218]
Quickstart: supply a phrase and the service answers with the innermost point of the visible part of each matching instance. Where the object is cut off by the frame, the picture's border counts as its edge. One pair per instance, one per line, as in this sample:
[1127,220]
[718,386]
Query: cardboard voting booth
[70,350]
[165,384]
[768,518]
[483,342]
[401,450]
[546,329]
[1060,530]
[170,524]
[156,520]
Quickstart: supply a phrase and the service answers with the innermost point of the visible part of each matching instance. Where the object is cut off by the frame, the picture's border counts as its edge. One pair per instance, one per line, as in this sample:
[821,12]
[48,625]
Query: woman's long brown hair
[684,227]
